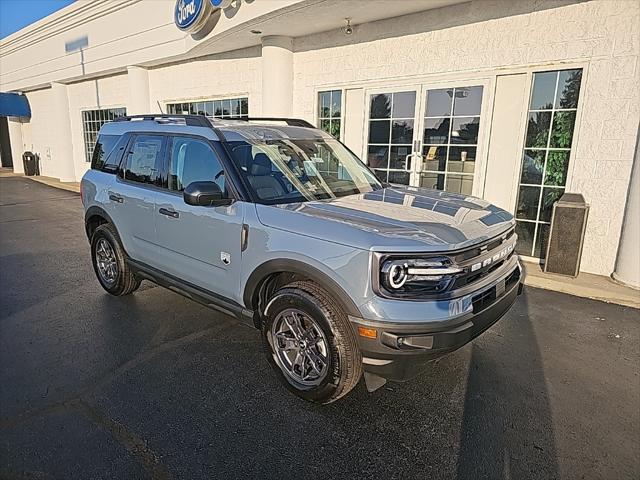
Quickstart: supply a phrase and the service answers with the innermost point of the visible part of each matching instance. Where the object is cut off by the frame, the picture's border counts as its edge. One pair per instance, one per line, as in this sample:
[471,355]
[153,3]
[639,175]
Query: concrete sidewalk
[50,181]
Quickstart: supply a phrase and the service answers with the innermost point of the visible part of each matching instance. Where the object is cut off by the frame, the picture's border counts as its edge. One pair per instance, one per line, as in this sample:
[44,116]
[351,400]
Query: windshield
[296,170]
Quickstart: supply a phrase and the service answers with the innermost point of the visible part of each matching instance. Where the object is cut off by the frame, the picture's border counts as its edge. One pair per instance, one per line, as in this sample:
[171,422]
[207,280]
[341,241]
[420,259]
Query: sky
[16,14]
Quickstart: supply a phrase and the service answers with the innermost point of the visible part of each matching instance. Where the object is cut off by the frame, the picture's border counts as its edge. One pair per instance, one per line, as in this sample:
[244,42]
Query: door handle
[169,213]
[116,198]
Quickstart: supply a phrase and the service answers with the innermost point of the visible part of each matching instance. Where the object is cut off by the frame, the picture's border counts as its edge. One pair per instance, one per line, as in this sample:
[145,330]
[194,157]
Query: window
[545,161]
[450,141]
[391,120]
[144,160]
[330,112]
[92,120]
[193,160]
[287,170]
[228,108]
[104,145]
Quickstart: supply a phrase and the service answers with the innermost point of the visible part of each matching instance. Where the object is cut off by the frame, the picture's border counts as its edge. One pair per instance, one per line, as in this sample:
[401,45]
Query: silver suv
[280,225]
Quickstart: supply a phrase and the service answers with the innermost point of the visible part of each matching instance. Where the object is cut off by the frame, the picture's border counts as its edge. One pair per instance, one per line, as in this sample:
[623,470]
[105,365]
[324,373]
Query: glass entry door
[426,136]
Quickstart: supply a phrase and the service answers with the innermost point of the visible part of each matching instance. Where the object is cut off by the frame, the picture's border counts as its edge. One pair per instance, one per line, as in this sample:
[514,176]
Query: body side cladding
[95,211]
[193,292]
[257,278]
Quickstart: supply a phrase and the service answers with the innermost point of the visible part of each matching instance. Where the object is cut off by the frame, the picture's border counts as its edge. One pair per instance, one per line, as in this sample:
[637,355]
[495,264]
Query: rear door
[132,196]
[200,245]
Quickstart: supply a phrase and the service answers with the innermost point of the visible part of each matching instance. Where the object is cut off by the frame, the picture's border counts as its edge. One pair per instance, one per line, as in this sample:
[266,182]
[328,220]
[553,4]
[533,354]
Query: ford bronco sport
[280,225]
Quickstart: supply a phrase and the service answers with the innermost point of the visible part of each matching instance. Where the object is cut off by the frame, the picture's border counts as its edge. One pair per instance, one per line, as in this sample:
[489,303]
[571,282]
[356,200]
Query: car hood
[393,218]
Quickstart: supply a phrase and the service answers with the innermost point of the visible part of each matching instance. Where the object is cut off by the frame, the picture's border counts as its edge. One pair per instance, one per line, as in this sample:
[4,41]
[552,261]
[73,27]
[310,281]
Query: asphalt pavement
[156,386]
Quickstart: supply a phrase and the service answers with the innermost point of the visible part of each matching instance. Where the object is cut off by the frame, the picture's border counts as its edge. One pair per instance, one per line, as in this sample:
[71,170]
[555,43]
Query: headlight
[404,277]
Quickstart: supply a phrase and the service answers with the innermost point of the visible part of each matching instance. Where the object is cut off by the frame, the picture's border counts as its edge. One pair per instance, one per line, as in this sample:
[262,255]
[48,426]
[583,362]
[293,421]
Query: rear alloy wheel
[310,343]
[109,262]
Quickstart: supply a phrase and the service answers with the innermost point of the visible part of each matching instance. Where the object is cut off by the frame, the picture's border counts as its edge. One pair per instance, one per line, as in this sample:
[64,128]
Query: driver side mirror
[205,194]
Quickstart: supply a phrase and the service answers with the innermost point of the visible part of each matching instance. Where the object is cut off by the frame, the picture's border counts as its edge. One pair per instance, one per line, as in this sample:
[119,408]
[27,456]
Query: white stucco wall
[501,36]
[232,74]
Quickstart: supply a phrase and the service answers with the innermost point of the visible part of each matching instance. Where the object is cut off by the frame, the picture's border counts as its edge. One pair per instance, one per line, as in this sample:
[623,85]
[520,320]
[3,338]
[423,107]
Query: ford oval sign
[190,14]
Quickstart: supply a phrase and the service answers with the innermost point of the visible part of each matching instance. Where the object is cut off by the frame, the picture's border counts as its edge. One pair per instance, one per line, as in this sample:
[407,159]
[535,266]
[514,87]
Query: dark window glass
[144,160]
[104,146]
[439,102]
[459,184]
[538,130]
[542,240]
[228,108]
[436,130]
[381,106]
[398,157]
[402,131]
[401,178]
[467,101]
[528,199]
[378,156]
[435,158]
[568,88]
[557,167]
[462,159]
[544,88]
[549,197]
[465,130]
[432,180]
[525,232]
[336,103]
[404,104]
[562,131]
[193,160]
[532,167]
[379,131]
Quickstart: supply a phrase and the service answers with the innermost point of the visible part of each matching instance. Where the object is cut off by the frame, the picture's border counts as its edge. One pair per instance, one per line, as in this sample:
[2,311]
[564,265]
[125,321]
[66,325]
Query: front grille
[486,298]
[474,255]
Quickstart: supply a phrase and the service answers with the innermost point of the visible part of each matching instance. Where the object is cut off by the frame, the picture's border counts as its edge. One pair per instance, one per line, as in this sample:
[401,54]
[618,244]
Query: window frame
[170,104]
[524,123]
[319,118]
[87,132]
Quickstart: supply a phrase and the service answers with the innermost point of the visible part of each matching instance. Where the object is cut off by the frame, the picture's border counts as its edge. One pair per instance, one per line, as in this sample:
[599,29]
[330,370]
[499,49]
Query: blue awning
[14,105]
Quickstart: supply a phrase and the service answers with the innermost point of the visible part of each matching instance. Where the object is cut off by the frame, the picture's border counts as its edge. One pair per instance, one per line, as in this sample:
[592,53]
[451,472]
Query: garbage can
[31,163]
[568,224]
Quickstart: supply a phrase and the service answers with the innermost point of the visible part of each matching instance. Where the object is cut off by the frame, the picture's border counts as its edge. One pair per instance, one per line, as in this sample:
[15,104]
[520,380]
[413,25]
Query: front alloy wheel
[300,346]
[310,343]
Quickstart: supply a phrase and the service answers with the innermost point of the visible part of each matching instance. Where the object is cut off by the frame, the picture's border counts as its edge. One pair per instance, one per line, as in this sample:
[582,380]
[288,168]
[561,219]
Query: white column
[628,262]
[139,98]
[17,147]
[62,155]
[277,76]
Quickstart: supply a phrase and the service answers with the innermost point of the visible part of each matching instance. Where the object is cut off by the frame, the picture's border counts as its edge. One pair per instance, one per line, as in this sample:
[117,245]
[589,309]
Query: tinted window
[144,160]
[103,148]
[193,160]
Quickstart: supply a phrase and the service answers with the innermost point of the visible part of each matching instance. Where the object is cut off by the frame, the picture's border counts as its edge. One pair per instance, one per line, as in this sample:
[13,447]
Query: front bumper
[401,350]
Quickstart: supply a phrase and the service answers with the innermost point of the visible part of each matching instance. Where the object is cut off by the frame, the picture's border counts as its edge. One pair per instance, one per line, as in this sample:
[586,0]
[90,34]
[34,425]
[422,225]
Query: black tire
[344,366]
[124,281]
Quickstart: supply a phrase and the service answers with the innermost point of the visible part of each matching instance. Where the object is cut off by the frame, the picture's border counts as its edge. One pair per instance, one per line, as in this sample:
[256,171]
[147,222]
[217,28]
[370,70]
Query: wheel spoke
[316,360]
[288,343]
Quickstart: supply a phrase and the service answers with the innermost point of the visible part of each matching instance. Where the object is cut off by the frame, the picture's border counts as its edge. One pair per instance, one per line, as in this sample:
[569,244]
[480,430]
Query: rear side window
[104,152]
[144,160]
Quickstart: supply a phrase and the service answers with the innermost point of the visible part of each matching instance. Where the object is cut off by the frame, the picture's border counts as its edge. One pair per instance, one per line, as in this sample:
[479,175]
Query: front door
[199,245]
[426,136]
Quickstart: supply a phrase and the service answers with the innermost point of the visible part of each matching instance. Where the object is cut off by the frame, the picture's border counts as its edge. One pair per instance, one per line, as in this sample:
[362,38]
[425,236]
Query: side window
[193,160]
[104,146]
[144,160]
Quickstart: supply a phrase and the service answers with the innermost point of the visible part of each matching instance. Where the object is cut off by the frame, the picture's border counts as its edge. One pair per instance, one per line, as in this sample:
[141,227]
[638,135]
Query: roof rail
[189,120]
[292,122]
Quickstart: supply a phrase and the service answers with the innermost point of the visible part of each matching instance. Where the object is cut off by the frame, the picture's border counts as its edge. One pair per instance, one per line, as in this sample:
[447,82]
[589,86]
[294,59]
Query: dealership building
[512,101]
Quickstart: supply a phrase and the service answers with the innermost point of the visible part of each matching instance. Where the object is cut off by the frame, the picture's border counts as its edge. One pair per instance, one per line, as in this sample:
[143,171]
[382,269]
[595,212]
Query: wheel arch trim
[94,211]
[270,267]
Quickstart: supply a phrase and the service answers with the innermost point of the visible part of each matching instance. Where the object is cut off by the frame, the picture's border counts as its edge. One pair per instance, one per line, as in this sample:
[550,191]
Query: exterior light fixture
[348,30]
